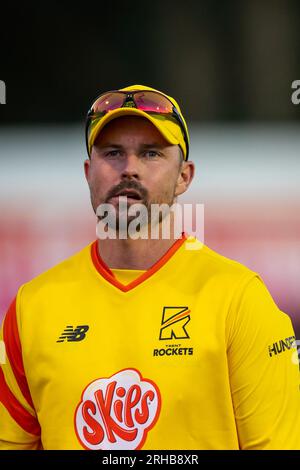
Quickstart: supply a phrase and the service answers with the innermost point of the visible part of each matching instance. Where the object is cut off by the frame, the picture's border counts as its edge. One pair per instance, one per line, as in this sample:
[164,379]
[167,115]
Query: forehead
[130,127]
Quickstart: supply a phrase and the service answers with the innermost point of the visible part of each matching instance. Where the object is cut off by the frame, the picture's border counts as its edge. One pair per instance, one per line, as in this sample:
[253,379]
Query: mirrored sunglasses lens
[108,102]
[152,102]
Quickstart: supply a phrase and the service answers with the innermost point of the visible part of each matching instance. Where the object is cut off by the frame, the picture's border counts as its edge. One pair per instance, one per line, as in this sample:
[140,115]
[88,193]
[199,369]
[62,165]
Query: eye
[113,153]
[152,153]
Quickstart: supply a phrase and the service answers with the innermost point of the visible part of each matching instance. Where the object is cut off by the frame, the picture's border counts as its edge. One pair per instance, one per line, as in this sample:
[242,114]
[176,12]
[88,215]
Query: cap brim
[131,112]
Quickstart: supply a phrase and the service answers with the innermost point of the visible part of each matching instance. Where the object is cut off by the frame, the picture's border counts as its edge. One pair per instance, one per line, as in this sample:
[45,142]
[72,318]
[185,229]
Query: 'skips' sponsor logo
[117,412]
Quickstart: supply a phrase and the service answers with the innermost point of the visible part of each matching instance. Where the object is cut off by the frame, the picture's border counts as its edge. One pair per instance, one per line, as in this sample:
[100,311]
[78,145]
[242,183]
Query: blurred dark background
[229,64]
[226,61]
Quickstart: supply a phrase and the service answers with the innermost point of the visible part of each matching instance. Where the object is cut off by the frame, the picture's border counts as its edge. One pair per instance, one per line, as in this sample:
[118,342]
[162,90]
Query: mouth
[130,194]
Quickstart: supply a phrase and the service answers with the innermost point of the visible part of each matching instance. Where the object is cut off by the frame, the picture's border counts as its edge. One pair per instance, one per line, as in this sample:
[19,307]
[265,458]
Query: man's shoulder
[205,259]
[70,269]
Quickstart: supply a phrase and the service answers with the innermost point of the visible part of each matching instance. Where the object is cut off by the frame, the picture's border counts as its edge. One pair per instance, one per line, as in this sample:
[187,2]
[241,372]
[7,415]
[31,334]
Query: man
[142,343]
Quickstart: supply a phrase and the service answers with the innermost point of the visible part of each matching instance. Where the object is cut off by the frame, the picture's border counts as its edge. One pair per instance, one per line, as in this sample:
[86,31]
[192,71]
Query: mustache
[127,185]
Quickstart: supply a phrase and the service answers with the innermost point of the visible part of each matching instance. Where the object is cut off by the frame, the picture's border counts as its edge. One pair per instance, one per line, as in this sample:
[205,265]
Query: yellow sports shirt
[190,354]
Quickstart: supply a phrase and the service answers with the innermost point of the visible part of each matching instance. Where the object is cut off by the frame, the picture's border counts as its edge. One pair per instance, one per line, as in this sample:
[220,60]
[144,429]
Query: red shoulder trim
[16,410]
[14,352]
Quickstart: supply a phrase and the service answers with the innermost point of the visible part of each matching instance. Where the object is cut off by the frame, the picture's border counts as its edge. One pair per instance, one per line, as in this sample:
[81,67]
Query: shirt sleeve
[19,426]
[263,371]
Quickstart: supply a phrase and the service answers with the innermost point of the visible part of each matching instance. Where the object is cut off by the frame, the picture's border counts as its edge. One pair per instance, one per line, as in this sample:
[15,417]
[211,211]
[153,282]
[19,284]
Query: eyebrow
[119,146]
[154,144]
[109,144]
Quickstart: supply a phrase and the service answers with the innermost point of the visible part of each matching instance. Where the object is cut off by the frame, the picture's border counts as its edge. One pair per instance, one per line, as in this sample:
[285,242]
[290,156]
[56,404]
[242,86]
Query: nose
[131,166]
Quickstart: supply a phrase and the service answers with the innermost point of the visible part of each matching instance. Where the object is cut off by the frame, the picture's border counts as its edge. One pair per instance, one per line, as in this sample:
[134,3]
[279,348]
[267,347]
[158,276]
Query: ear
[87,165]
[185,177]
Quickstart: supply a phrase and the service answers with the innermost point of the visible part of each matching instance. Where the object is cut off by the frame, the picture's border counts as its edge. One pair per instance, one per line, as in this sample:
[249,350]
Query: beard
[120,216]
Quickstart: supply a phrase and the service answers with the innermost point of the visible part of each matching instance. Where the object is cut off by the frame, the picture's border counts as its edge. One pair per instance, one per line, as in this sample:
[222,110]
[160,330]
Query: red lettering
[111,427]
[142,416]
[120,391]
[118,409]
[130,403]
[97,434]
[118,406]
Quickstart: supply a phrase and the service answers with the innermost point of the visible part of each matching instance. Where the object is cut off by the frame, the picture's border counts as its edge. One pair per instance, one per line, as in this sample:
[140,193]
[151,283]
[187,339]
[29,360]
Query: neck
[135,254]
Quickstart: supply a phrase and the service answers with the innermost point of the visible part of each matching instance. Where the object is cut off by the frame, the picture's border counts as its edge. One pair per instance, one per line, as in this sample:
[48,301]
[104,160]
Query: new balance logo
[76,334]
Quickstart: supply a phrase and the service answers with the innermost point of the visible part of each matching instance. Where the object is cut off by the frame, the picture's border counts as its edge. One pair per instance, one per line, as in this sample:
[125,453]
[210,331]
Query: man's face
[131,154]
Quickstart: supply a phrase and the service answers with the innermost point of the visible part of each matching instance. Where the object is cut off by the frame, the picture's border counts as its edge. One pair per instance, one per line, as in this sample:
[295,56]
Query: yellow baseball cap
[175,131]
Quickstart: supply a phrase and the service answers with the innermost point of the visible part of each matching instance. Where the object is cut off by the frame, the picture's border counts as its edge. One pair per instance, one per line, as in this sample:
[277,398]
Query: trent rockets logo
[174,321]
[173,327]
[117,412]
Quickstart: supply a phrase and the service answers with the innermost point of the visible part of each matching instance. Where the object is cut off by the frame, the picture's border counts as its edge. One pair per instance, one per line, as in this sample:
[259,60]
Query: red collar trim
[105,272]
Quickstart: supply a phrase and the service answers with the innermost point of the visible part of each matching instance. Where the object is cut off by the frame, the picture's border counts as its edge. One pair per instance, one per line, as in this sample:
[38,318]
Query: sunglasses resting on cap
[161,110]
